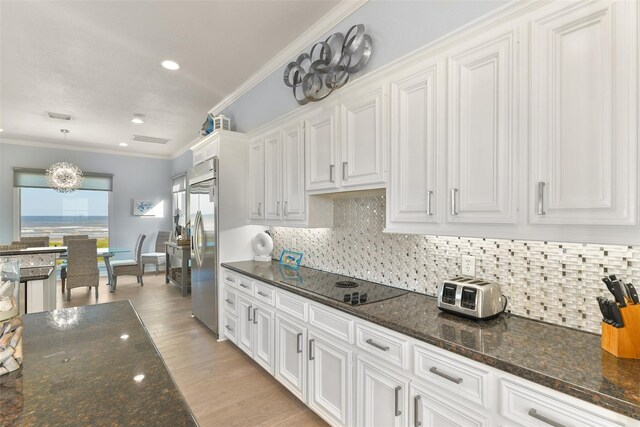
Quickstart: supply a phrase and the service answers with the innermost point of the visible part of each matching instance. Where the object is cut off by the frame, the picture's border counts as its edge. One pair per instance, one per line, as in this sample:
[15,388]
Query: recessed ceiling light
[170,65]
[1,130]
[138,118]
[123,144]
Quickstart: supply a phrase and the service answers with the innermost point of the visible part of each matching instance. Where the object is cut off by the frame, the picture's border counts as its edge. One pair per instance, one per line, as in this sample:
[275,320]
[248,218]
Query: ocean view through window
[46,212]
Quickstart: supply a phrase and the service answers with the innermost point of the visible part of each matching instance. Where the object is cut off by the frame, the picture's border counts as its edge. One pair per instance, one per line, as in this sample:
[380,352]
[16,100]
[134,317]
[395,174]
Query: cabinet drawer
[331,322]
[245,285]
[230,300]
[461,378]
[382,344]
[526,406]
[230,324]
[291,305]
[264,293]
[229,279]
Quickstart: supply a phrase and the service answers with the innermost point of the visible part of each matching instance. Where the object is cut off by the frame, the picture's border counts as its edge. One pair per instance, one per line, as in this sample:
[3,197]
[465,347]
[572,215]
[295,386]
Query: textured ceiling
[100,62]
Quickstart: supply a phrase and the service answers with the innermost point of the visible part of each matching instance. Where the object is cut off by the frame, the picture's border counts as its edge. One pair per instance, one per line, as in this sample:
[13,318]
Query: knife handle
[617,316]
[619,293]
[633,293]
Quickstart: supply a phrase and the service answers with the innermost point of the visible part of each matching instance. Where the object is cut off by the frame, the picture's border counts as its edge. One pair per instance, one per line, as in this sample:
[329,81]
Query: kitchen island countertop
[92,365]
[560,358]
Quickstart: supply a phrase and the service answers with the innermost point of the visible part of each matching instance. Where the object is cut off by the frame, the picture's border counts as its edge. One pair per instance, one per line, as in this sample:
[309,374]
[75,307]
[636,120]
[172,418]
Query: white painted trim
[58,146]
[311,35]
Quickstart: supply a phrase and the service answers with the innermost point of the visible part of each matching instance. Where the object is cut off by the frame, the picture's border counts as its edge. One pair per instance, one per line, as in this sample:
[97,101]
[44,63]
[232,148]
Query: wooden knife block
[624,342]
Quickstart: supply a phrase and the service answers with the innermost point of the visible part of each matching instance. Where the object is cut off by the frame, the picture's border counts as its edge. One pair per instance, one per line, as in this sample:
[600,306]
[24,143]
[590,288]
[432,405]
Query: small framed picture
[146,207]
[290,259]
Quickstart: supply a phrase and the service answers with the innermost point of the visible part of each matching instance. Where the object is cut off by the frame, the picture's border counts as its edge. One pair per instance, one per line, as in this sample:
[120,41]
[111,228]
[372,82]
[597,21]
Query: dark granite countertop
[562,359]
[35,273]
[34,251]
[79,370]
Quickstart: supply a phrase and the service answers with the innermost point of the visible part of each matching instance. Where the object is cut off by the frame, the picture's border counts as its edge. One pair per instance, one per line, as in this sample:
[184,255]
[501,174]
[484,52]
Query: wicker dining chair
[82,265]
[157,257]
[63,266]
[34,241]
[129,267]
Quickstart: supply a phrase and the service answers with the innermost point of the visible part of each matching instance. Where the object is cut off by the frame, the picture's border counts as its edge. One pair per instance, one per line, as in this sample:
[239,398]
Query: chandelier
[62,176]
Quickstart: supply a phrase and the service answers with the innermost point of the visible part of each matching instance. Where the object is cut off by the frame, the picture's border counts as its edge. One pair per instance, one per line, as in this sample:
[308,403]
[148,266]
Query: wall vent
[58,116]
[151,139]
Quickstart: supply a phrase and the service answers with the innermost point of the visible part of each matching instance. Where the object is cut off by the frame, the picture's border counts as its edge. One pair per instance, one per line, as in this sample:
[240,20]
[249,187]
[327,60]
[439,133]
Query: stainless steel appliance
[204,221]
[471,297]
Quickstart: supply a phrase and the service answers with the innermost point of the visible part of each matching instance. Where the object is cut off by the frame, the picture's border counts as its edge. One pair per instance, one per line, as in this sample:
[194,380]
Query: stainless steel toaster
[471,297]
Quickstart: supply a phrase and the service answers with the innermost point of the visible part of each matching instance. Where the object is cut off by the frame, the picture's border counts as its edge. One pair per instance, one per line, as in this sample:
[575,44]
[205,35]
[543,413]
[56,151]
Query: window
[179,207]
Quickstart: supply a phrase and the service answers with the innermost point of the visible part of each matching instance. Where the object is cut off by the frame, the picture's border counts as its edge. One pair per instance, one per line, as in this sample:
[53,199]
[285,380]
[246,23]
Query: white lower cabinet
[330,379]
[245,325]
[264,337]
[430,408]
[291,361]
[382,396]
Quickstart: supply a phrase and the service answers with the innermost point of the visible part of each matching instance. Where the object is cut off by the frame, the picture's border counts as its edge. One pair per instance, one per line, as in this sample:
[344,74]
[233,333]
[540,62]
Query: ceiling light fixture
[138,118]
[1,130]
[170,65]
[62,176]
[123,144]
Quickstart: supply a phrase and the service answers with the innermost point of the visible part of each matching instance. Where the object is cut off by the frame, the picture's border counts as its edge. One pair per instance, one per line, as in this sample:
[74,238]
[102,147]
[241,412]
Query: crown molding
[16,140]
[311,35]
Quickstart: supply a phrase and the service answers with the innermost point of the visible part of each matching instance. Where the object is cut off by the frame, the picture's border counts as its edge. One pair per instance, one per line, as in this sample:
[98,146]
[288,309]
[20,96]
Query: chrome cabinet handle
[416,414]
[397,403]
[262,294]
[244,286]
[249,313]
[299,343]
[533,413]
[228,328]
[429,202]
[312,355]
[255,319]
[277,208]
[331,168]
[229,301]
[259,208]
[541,185]
[286,208]
[376,345]
[345,171]
[434,370]
[454,205]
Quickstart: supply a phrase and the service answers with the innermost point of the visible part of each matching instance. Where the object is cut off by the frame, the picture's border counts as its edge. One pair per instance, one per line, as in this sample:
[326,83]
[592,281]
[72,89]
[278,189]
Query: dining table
[106,254]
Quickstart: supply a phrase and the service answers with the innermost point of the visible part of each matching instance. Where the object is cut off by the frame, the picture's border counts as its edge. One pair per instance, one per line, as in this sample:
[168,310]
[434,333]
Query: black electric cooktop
[337,287]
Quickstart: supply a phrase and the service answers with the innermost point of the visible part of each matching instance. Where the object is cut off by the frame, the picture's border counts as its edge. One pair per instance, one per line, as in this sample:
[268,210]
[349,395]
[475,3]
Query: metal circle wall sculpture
[327,67]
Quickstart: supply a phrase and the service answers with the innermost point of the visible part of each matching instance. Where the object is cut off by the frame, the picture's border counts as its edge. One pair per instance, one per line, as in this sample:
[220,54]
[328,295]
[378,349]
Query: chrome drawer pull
[434,370]
[416,416]
[533,413]
[299,342]
[541,185]
[244,286]
[249,313]
[286,208]
[312,355]
[262,294]
[229,301]
[255,318]
[331,168]
[429,202]
[228,328]
[345,171]
[376,345]
[454,203]
[397,398]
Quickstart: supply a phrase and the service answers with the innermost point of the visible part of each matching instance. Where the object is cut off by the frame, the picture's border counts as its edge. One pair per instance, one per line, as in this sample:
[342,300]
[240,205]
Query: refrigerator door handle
[197,228]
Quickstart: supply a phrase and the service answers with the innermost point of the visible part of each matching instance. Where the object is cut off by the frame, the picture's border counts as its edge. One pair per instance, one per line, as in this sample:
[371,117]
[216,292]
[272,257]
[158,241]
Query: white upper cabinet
[321,151]
[256,179]
[363,135]
[416,130]
[273,204]
[584,114]
[293,197]
[481,129]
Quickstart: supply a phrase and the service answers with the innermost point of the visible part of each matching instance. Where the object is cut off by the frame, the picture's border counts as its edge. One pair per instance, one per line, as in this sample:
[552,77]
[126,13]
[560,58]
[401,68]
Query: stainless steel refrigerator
[204,222]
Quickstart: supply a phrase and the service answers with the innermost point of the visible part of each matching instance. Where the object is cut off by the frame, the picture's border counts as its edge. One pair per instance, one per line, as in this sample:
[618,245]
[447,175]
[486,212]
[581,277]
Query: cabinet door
[264,338]
[330,373]
[321,151]
[291,362]
[430,408]
[481,137]
[256,179]
[244,333]
[584,114]
[363,140]
[273,176]
[382,396]
[293,173]
[416,126]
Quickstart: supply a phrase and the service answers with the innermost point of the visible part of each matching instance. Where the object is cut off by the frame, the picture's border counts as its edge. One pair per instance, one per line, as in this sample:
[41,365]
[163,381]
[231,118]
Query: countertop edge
[575,390]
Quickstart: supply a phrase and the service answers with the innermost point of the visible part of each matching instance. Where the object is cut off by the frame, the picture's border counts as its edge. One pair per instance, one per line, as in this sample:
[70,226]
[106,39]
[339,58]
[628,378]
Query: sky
[48,202]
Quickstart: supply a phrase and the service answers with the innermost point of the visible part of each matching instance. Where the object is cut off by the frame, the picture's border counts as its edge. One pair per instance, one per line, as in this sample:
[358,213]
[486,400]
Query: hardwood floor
[221,384]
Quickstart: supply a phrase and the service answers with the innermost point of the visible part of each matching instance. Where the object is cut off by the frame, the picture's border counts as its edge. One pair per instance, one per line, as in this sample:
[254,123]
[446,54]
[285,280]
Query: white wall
[133,177]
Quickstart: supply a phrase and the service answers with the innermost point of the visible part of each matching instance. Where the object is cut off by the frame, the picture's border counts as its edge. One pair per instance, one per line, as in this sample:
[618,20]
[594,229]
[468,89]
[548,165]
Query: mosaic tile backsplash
[550,281]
